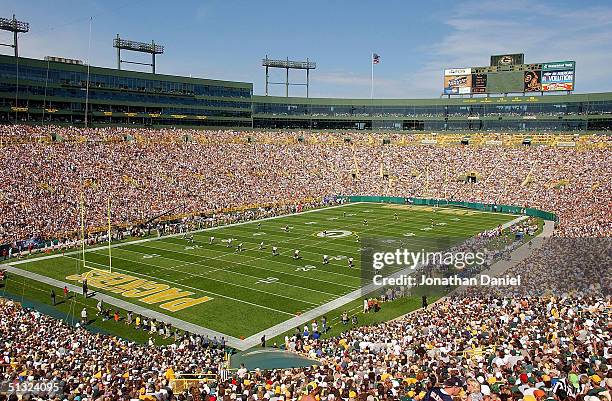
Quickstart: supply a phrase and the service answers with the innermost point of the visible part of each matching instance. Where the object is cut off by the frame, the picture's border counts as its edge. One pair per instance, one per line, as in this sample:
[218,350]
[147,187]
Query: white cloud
[478,29]
[543,33]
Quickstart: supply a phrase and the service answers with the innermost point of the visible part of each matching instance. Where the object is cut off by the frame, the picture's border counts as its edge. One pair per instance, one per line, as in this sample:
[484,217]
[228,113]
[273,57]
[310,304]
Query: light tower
[142,47]
[287,65]
[15,26]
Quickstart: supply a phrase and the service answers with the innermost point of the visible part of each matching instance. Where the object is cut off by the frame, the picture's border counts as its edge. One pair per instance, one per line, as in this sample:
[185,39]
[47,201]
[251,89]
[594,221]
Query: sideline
[312,314]
[500,267]
[178,323]
[270,332]
[153,238]
[140,310]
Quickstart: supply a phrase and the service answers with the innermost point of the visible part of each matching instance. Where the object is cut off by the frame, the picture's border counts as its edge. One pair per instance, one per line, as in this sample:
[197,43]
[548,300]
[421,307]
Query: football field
[243,293]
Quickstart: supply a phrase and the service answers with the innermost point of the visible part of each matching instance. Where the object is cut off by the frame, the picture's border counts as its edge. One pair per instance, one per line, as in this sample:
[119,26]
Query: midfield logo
[334,234]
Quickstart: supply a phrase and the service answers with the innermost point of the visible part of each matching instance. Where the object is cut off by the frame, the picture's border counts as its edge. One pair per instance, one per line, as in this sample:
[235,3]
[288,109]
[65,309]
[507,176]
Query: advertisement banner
[458,71]
[559,65]
[533,81]
[558,80]
[479,83]
[457,84]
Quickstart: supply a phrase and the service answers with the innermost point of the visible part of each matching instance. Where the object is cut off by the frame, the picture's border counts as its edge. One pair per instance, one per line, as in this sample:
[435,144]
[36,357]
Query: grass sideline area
[37,295]
[393,309]
[388,311]
[249,291]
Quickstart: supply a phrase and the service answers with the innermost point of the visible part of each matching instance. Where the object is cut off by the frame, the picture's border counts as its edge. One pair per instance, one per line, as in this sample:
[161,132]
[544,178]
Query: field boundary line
[312,314]
[155,278]
[253,258]
[125,305]
[152,238]
[172,269]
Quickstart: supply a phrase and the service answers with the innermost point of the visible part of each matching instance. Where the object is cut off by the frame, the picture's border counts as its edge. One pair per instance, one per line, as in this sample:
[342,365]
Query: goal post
[84,265]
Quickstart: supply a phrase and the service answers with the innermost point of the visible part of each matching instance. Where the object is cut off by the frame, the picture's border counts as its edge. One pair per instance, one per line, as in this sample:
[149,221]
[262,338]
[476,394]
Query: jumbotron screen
[517,78]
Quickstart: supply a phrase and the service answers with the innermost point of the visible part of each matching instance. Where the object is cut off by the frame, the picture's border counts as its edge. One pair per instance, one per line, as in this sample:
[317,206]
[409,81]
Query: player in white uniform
[296,254]
[350,263]
[229,242]
[274,251]
[325,259]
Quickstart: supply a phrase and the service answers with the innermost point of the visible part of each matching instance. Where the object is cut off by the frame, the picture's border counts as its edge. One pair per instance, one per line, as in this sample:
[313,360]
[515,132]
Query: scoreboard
[503,76]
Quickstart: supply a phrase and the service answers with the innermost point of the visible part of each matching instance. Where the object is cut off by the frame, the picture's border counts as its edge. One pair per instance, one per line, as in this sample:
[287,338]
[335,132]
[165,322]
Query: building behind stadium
[58,91]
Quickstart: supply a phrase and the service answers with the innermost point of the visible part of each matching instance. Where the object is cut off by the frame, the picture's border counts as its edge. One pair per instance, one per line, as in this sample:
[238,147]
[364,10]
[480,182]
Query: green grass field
[252,290]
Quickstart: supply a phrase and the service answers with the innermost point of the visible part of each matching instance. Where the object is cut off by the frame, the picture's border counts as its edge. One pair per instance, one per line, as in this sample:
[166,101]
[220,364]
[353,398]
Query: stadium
[166,237]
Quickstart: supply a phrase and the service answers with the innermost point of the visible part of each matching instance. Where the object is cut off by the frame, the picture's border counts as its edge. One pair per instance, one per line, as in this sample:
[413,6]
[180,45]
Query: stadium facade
[36,91]
[56,92]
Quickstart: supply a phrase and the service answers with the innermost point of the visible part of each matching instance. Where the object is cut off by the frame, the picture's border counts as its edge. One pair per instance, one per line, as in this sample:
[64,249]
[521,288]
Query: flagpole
[372,79]
[88,64]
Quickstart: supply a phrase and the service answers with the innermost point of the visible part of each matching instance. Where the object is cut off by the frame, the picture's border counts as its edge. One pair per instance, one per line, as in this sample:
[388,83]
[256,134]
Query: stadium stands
[220,170]
[65,360]
[550,341]
[525,348]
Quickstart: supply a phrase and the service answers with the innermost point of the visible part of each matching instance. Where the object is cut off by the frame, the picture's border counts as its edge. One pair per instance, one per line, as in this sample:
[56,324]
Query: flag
[375,58]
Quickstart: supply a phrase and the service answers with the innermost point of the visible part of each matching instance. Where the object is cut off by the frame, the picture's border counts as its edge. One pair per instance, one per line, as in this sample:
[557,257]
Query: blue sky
[415,39]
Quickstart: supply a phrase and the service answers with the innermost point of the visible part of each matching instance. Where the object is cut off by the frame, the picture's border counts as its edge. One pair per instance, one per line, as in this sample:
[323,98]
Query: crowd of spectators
[552,348]
[548,340]
[159,171]
[520,348]
[77,364]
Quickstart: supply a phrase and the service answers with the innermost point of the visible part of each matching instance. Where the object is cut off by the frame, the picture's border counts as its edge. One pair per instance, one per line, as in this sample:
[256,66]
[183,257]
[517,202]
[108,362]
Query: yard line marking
[288,264]
[258,267]
[203,276]
[339,242]
[224,254]
[193,288]
[149,239]
[258,258]
[252,258]
[424,219]
[209,271]
[267,259]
